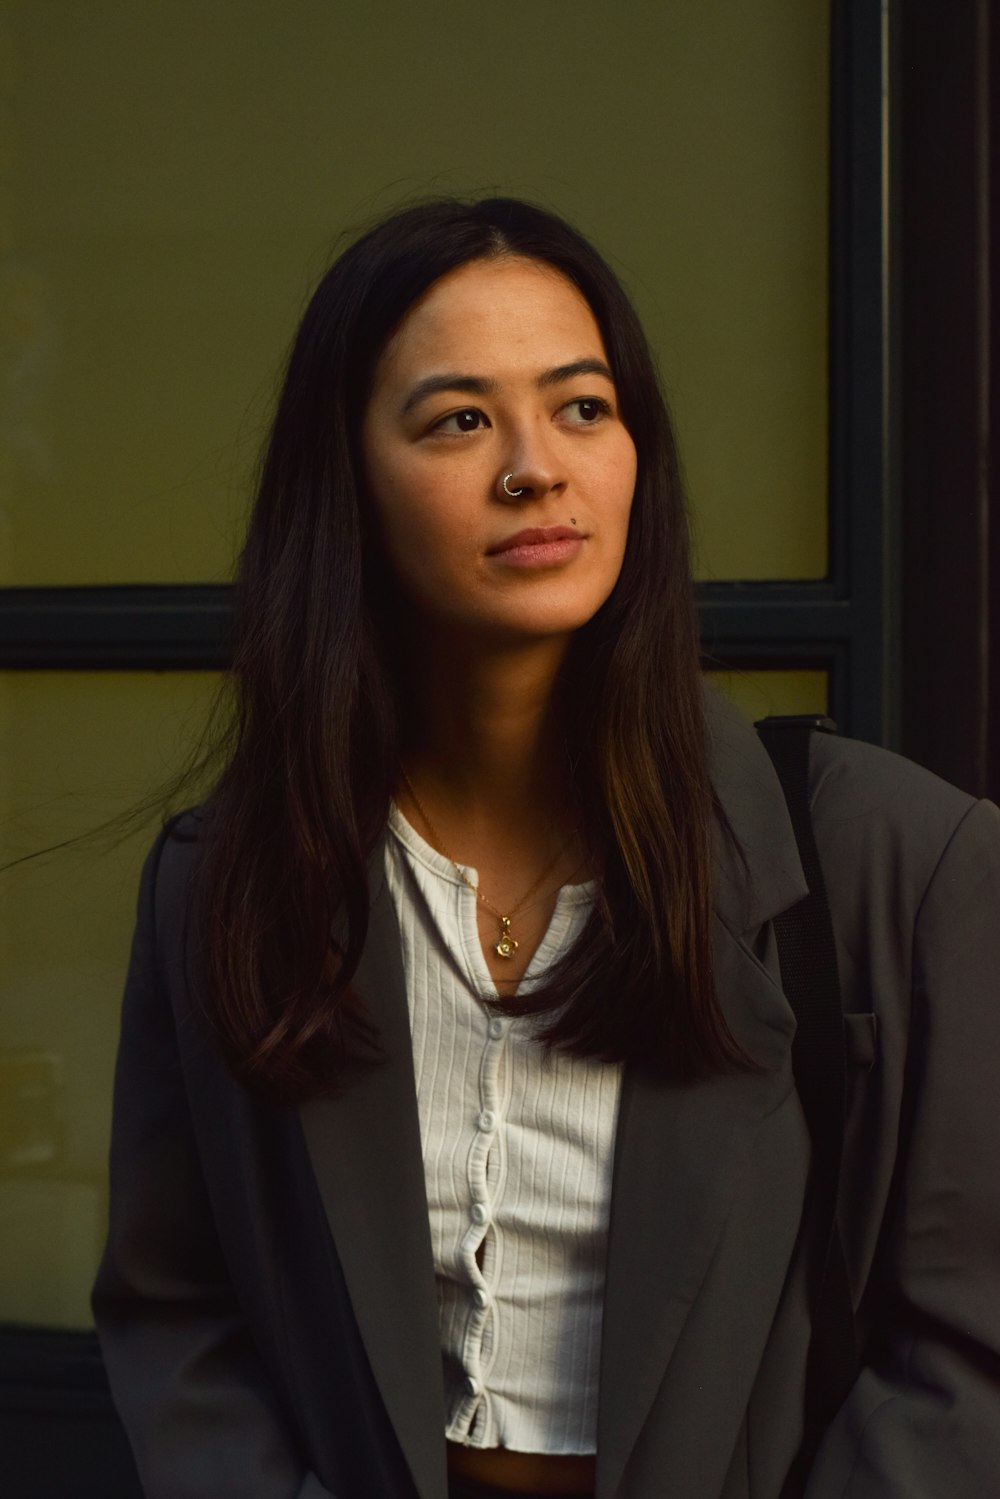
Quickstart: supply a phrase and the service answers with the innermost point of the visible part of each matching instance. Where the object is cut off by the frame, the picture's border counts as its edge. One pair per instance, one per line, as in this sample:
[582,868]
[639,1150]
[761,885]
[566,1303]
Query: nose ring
[512,494]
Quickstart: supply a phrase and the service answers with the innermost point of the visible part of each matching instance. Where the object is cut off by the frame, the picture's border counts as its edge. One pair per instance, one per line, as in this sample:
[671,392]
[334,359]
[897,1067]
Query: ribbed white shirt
[517,1146]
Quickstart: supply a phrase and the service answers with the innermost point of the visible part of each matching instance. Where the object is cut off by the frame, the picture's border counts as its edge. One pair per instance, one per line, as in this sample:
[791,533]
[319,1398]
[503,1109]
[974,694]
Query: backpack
[808,960]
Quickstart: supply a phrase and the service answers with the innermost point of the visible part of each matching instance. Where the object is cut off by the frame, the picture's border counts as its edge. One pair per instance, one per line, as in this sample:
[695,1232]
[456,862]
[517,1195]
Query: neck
[482,731]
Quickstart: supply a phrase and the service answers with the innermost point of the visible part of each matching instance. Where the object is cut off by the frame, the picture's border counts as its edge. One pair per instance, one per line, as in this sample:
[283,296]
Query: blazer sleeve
[923,1418]
[185,1375]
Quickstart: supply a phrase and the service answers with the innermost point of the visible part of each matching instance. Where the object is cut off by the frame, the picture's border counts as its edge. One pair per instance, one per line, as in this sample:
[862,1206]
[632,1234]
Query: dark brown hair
[304,799]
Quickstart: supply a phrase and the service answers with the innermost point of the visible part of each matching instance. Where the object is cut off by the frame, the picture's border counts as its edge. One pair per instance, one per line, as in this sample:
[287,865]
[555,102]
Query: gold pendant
[507,946]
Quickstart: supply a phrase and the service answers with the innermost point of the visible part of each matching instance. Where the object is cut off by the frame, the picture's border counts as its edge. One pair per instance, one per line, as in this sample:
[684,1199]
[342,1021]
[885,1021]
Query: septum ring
[512,494]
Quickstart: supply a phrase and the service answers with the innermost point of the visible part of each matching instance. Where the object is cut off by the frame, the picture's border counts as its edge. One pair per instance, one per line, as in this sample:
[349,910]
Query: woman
[500,1189]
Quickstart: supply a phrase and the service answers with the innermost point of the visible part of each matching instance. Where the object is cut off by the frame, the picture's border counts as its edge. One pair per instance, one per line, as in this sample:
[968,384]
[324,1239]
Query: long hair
[283,892]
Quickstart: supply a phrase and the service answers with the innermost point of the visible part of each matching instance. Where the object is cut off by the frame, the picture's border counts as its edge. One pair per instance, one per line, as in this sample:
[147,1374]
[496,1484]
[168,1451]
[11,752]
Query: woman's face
[500,368]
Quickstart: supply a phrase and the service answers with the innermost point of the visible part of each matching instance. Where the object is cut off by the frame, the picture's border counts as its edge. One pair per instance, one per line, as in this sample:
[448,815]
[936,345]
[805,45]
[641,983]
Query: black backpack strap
[808,959]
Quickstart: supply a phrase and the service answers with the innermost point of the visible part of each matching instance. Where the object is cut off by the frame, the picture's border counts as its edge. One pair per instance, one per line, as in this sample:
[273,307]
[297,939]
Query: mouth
[539,547]
[535,538]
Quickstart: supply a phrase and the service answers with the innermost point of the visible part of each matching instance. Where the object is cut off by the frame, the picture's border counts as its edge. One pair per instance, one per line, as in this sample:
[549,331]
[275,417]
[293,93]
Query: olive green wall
[76,748]
[177,174]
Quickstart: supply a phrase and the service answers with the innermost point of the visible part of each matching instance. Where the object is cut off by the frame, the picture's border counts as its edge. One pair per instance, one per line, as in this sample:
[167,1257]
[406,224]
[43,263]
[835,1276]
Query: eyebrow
[482,385]
[578,367]
[473,385]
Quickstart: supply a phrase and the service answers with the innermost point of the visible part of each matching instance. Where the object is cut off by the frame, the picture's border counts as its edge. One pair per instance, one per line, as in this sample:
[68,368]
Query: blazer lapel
[682,1150]
[364,1144]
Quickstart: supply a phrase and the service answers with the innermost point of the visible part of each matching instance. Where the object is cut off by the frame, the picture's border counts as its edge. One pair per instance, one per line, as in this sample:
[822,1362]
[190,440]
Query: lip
[539,546]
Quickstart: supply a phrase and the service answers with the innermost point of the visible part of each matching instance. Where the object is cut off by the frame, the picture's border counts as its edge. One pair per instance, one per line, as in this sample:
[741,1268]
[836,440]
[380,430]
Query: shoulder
[179,839]
[882,823]
[909,861]
[169,865]
[860,794]
[871,806]
[850,779]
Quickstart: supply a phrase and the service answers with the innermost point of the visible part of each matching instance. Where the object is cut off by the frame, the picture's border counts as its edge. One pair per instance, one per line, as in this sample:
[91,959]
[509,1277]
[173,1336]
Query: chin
[515,619]
[540,625]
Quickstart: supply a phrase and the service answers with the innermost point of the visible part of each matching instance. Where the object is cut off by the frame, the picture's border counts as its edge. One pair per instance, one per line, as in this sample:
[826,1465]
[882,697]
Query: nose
[532,470]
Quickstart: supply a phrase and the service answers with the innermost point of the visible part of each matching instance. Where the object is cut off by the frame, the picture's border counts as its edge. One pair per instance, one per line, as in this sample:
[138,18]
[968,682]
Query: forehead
[509,311]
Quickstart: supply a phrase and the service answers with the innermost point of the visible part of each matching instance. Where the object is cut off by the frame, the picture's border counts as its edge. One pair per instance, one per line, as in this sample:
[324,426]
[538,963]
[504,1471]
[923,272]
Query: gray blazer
[266,1303]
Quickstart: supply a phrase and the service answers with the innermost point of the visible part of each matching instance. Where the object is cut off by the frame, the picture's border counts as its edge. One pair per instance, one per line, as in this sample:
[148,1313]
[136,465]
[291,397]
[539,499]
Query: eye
[586,410]
[469,420]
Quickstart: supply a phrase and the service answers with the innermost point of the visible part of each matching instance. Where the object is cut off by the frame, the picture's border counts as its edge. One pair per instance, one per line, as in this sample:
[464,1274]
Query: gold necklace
[506,944]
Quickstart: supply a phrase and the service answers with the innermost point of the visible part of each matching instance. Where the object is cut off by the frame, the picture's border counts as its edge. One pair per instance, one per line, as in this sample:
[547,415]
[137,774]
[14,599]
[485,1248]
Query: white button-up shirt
[517,1145]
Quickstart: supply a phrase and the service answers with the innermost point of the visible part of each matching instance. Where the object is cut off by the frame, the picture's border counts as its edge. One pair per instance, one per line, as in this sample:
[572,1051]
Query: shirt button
[496,1029]
[471,1386]
[481,1298]
[487,1121]
[478,1213]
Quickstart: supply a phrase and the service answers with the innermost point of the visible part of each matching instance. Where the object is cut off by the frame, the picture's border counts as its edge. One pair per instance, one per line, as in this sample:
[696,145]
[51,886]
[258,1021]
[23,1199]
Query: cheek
[400,503]
[422,530]
[621,486]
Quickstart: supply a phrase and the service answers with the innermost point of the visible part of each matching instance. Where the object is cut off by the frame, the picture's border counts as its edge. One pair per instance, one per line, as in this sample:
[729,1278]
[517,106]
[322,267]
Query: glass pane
[177,174]
[75,749]
[758,694]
